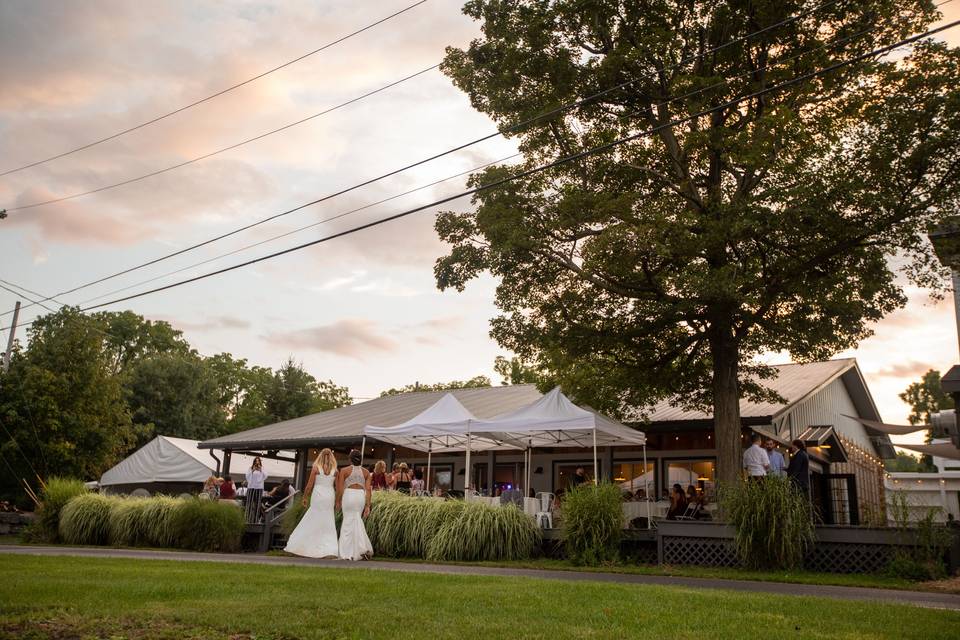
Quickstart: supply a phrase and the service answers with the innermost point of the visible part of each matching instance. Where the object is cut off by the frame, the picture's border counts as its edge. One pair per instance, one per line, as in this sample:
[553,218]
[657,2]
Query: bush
[129,526]
[86,519]
[593,523]
[158,519]
[402,526]
[207,525]
[773,522]
[292,516]
[56,494]
[923,542]
[481,532]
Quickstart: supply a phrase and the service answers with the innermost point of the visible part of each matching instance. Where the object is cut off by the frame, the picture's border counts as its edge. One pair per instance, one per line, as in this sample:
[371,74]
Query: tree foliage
[472,383]
[664,267]
[925,398]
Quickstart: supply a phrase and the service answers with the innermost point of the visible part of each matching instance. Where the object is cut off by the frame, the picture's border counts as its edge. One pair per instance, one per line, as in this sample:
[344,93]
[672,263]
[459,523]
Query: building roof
[794,383]
[347,423]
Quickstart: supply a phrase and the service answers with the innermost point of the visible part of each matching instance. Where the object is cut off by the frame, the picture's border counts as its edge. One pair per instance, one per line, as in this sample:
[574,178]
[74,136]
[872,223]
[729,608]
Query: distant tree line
[89,389]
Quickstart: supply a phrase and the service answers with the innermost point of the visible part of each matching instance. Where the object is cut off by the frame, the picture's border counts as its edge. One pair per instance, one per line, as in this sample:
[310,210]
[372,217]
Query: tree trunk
[726,404]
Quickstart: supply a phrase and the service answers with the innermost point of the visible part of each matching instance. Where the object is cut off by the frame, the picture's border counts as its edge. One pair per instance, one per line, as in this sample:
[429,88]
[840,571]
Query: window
[699,473]
[630,476]
[442,475]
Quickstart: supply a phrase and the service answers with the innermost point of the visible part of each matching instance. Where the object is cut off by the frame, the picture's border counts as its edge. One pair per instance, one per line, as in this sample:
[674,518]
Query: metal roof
[347,423]
[793,382]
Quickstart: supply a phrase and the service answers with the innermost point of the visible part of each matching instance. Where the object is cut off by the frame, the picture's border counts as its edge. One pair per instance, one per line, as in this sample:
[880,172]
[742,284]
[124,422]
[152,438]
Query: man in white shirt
[755,459]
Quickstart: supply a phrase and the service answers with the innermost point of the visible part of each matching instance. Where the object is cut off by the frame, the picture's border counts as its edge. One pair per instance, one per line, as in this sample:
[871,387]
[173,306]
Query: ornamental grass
[208,525]
[593,523]
[56,494]
[86,519]
[129,526]
[158,516]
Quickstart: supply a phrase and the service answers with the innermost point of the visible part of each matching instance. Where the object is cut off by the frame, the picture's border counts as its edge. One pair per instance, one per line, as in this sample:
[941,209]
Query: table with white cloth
[633,510]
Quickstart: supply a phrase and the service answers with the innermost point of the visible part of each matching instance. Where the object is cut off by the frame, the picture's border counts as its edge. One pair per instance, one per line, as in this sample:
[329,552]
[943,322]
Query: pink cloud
[350,337]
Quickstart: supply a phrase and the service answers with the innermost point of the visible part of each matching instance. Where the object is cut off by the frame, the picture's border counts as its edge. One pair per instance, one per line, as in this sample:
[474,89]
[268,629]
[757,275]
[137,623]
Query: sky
[362,310]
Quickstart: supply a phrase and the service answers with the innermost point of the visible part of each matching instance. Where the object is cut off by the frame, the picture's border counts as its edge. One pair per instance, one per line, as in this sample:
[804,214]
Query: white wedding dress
[354,542]
[316,535]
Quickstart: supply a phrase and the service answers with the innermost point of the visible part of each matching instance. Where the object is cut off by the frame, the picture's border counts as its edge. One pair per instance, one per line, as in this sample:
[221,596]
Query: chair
[693,509]
[544,515]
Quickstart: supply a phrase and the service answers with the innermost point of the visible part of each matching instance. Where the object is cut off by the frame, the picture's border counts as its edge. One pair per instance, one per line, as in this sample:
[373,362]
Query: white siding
[827,408]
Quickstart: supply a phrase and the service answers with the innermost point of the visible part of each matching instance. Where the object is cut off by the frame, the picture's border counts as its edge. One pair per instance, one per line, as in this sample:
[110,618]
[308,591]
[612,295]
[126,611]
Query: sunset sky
[363,310]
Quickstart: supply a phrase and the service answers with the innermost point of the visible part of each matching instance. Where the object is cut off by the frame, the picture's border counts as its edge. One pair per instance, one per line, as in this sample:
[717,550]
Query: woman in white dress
[316,535]
[353,495]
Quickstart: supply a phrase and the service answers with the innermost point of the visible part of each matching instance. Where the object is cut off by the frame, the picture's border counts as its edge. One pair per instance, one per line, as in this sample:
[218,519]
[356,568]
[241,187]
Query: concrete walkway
[915,598]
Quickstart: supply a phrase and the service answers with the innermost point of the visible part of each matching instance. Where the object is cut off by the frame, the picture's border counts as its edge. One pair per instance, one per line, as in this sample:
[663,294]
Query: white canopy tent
[444,426]
[167,460]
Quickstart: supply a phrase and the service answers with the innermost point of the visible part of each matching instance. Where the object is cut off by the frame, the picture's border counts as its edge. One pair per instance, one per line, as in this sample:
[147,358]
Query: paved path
[916,598]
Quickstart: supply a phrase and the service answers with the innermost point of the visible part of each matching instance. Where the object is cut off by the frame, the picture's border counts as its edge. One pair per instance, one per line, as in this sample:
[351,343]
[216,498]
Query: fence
[836,550]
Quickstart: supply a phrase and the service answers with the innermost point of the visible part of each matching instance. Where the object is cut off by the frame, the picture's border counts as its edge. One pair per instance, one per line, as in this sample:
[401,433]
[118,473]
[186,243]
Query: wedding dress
[354,543]
[316,535]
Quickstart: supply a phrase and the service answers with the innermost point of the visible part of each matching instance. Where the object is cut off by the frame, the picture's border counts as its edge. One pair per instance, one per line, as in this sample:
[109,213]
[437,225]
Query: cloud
[349,337]
[910,369]
[214,323]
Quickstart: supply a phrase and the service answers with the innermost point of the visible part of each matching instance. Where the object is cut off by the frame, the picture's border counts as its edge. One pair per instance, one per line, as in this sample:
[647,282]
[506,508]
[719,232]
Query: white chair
[544,516]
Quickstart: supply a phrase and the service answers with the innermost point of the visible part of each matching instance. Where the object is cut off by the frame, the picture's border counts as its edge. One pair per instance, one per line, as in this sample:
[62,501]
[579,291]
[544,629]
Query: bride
[353,494]
[316,535]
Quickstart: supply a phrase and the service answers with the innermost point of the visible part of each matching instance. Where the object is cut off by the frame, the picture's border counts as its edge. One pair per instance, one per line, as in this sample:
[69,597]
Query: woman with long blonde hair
[316,534]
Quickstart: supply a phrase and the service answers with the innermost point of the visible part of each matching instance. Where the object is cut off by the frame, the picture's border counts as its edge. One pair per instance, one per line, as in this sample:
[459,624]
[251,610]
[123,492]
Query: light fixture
[824,446]
[619,478]
[703,479]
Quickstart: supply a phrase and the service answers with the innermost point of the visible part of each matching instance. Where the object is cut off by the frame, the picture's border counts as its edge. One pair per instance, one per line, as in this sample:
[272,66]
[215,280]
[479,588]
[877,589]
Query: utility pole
[13,331]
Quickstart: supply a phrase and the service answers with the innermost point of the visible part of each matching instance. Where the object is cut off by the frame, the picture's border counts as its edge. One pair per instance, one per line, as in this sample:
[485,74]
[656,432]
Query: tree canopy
[476,381]
[663,268]
[925,398]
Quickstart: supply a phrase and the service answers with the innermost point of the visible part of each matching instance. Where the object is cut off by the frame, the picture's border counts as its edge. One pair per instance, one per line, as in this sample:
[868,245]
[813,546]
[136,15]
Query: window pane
[630,477]
[699,473]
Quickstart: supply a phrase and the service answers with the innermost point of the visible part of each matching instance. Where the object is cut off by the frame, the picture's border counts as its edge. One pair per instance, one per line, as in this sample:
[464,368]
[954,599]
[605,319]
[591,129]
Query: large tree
[664,267]
[473,383]
[61,406]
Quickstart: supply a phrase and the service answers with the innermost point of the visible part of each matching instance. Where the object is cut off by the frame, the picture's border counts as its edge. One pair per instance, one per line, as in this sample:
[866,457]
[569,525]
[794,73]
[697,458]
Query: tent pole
[596,471]
[646,490]
[429,453]
[363,449]
[466,471]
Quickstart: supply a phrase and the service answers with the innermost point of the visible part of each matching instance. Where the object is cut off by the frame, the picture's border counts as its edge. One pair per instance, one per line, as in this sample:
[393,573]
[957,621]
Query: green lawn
[57,597]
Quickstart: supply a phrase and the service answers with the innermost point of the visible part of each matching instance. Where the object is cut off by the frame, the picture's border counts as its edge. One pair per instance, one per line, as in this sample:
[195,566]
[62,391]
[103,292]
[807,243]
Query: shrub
[56,494]
[402,526]
[86,519]
[480,532]
[158,517]
[207,525]
[292,516]
[923,542]
[129,526]
[593,523]
[773,522]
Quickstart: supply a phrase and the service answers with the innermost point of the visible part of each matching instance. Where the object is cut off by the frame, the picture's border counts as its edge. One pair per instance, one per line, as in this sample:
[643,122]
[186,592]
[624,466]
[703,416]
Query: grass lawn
[59,597]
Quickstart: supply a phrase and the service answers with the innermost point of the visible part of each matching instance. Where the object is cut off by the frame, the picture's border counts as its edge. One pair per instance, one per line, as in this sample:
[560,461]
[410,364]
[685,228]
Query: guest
[279,493]
[692,495]
[403,478]
[640,495]
[392,476]
[417,485]
[379,479]
[579,477]
[227,490]
[755,459]
[799,468]
[678,503]
[210,489]
[255,479]
[778,465]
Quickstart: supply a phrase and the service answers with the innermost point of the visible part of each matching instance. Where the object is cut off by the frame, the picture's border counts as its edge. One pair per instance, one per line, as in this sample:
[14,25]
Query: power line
[514,127]
[582,154]
[214,95]
[261,136]
[777,63]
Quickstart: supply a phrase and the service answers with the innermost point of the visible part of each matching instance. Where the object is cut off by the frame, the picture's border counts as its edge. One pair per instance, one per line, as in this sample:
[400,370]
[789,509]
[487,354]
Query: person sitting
[279,493]
[227,490]
[210,491]
[640,495]
[379,478]
[678,503]
[627,496]
[417,485]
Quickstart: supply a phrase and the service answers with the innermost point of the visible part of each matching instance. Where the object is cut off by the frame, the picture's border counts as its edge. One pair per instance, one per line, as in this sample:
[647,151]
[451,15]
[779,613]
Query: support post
[491,465]
[596,469]
[466,471]
[609,460]
[227,455]
[646,487]
[13,333]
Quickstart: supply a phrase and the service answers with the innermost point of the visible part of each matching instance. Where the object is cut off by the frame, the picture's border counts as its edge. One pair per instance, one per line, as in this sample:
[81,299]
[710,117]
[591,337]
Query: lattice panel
[706,552]
[641,552]
[848,558]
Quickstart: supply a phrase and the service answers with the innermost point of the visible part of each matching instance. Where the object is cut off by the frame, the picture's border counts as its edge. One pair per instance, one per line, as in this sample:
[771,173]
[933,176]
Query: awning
[889,429]
[444,426]
[940,449]
[826,442]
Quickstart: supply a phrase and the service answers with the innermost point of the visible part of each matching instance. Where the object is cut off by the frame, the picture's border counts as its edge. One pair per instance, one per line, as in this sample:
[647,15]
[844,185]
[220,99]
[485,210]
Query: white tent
[554,421]
[443,426]
[166,460]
